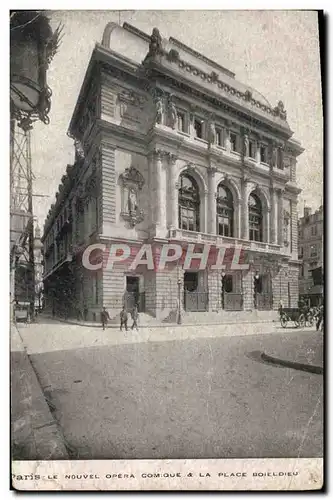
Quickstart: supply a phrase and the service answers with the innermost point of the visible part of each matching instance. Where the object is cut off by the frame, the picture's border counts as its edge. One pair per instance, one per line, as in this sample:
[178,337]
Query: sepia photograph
[166,249]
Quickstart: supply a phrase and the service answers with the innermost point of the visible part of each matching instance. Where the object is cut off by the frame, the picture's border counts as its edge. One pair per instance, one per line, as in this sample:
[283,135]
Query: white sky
[277,52]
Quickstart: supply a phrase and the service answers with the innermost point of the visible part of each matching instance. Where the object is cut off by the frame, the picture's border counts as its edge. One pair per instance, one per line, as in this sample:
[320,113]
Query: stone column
[158,184]
[173,192]
[267,235]
[211,212]
[237,219]
[258,151]
[151,201]
[245,211]
[204,213]
[274,217]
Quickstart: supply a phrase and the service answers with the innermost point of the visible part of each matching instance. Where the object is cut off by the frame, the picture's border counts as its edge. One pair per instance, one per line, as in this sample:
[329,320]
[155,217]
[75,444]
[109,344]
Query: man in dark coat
[123,319]
[104,317]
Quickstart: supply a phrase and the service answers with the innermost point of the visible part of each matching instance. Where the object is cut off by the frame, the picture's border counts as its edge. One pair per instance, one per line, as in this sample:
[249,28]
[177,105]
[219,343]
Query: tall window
[252,149]
[189,204]
[255,218]
[181,121]
[263,153]
[233,142]
[219,136]
[198,127]
[224,211]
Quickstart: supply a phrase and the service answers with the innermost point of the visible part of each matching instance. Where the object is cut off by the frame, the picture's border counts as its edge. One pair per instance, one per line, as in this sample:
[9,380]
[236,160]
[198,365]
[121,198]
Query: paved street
[179,398]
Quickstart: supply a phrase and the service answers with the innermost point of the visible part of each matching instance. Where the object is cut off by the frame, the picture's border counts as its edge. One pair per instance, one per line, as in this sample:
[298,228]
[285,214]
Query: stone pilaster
[206,215]
[173,192]
[267,226]
[211,212]
[214,287]
[248,291]
[237,219]
[245,211]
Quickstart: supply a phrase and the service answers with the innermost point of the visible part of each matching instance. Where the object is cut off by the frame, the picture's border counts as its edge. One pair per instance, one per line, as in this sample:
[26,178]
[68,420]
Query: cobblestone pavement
[137,395]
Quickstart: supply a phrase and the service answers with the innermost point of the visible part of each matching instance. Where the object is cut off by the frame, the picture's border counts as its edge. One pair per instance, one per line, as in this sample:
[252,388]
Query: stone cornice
[201,57]
[232,99]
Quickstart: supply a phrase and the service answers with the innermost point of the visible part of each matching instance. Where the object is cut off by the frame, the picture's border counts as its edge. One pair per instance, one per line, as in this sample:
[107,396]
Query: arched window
[224,211]
[255,218]
[189,204]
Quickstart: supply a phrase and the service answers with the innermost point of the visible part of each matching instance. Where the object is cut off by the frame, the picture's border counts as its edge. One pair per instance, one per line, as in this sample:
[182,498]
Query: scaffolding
[21,215]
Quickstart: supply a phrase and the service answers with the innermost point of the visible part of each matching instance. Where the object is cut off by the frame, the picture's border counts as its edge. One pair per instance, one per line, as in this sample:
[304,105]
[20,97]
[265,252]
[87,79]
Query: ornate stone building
[170,147]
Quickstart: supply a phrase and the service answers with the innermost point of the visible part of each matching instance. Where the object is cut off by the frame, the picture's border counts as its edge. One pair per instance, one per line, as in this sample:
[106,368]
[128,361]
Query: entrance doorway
[263,293]
[133,295]
[195,298]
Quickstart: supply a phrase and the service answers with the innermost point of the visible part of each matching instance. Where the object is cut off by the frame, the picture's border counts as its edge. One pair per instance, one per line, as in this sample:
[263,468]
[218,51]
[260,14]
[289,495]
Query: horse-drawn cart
[300,318]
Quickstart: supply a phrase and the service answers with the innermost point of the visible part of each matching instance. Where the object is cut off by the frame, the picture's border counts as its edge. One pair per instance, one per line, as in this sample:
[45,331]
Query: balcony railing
[215,239]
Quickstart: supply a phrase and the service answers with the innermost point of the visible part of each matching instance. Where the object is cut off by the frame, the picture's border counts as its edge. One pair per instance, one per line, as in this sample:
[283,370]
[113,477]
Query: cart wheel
[301,320]
[283,321]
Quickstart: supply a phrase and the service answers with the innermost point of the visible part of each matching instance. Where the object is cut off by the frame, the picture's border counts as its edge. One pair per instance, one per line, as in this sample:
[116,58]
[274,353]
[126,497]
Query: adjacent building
[311,250]
[171,147]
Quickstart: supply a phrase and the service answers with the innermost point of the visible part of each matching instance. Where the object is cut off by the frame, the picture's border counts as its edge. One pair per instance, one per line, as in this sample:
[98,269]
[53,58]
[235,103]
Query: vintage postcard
[167,302]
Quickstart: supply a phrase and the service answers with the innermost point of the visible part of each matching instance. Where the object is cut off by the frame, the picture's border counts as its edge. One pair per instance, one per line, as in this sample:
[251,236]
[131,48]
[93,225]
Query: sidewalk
[145,321]
[34,433]
[57,336]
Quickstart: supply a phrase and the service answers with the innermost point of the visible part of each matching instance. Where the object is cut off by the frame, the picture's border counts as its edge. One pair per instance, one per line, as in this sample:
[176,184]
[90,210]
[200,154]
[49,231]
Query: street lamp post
[33,44]
[222,287]
[179,318]
[256,279]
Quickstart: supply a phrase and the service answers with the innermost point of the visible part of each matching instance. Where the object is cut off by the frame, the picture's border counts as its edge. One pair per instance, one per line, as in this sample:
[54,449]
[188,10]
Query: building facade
[311,255]
[171,148]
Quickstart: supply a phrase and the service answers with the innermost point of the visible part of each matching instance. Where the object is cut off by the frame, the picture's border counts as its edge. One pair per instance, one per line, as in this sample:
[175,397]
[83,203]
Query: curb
[164,325]
[292,364]
[35,433]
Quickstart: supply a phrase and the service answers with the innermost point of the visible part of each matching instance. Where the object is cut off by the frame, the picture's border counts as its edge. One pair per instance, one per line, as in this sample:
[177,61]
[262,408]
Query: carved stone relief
[286,229]
[131,105]
[131,183]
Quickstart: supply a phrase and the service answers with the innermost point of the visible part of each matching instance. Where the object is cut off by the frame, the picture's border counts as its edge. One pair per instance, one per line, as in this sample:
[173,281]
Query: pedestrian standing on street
[135,317]
[104,317]
[123,319]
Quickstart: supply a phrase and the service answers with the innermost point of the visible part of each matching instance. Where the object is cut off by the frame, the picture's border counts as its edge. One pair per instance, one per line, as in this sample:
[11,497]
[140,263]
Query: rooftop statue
[155,45]
[280,111]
